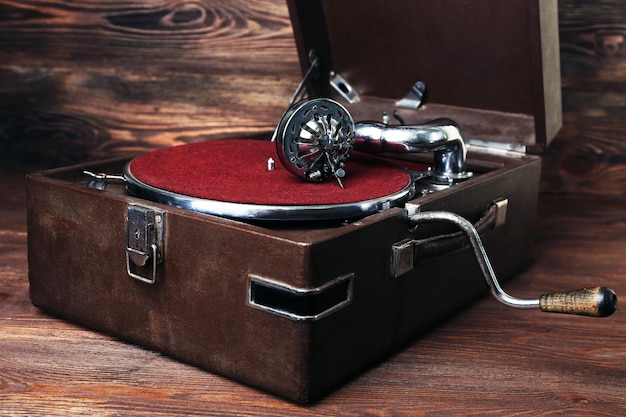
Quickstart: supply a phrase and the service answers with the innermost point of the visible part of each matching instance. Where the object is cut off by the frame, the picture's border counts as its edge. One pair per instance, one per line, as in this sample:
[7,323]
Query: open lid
[501,56]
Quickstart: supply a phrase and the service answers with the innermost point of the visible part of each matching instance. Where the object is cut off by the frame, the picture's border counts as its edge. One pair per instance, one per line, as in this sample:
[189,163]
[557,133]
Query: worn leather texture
[197,310]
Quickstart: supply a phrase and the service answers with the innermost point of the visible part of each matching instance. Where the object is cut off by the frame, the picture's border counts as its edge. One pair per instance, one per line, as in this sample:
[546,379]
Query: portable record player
[293,264]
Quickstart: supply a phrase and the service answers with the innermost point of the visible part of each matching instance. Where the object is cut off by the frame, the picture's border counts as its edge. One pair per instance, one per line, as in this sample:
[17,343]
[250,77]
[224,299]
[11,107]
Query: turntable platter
[230,178]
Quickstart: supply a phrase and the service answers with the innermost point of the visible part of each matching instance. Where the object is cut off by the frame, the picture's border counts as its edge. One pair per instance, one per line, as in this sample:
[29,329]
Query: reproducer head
[316,136]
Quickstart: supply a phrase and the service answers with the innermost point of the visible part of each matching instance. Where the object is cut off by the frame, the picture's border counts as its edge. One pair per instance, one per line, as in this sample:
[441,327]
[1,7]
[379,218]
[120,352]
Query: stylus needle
[340,183]
[337,173]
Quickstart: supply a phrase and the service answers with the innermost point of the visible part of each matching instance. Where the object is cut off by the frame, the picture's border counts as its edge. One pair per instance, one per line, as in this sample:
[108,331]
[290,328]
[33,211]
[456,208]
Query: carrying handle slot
[300,304]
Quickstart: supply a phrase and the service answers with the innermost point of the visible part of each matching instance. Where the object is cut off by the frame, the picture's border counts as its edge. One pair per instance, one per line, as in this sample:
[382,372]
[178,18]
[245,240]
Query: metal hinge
[343,88]
[511,150]
[145,228]
[414,98]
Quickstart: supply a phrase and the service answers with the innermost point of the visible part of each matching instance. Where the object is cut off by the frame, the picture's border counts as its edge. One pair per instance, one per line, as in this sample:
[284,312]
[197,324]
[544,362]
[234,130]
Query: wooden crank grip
[595,302]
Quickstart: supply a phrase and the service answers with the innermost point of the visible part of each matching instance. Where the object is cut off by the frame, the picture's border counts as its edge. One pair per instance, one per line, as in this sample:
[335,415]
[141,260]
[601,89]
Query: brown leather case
[298,308]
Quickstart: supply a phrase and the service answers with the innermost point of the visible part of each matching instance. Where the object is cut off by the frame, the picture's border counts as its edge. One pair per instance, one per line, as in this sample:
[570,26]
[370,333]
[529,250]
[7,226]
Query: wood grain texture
[488,360]
[589,154]
[91,79]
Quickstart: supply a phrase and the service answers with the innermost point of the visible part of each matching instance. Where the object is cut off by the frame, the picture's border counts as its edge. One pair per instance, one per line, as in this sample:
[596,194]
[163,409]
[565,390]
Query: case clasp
[144,241]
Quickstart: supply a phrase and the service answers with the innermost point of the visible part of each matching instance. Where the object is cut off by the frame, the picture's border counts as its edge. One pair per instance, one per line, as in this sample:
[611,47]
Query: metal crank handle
[595,302]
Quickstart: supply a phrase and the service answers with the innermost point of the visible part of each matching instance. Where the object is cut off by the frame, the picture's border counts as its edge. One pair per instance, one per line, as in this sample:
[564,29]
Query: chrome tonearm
[316,136]
[441,136]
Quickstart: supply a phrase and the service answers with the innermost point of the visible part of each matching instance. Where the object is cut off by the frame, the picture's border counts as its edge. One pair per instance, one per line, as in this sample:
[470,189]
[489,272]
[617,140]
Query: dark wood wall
[589,155]
[89,79]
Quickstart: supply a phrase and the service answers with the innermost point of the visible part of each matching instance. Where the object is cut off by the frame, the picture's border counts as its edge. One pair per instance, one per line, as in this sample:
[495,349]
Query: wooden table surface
[487,360]
[91,79]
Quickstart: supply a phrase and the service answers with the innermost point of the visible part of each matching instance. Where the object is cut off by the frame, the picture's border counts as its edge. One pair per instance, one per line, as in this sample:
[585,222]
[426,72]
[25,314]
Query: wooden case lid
[500,56]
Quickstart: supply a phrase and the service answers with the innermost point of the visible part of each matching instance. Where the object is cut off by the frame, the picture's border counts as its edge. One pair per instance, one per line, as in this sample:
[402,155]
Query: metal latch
[145,228]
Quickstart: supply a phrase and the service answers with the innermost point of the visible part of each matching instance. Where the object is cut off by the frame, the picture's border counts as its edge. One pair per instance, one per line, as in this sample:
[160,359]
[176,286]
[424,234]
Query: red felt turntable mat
[235,170]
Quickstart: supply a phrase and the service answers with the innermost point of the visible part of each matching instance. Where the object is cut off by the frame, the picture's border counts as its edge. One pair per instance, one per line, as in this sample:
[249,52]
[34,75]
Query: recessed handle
[595,302]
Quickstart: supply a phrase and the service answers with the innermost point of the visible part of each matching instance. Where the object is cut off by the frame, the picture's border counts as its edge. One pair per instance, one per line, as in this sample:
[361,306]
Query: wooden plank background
[92,79]
[89,79]
[589,154]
